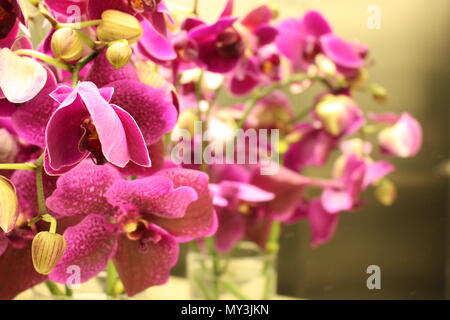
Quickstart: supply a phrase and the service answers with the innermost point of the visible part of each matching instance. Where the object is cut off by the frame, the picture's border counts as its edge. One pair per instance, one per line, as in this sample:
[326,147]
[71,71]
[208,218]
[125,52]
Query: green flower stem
[111,279]
[47,15]
[195,9]
[272,247]
[80,65]
[40,185]
[43,57]
[54,289]
[231,287]
[90,43]
[69,292]
[203,288]
[80,25]
[18,166]
[211,245]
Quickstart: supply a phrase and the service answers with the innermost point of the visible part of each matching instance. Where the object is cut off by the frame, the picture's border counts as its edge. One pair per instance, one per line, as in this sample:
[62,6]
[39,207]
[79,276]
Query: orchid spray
[117,145]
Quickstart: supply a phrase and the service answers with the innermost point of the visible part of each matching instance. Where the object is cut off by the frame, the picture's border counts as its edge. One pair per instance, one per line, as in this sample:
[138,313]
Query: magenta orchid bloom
[264,66]
[312,149]
[300,40]
[151,216]
[356,177]
[248,202]
[403,138]
[86,124]
[233,201]
[10,16]
[220,45]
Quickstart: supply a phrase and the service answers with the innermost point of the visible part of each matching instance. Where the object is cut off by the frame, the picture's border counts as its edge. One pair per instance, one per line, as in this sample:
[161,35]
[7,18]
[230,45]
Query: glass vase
[246,273]
[94,289]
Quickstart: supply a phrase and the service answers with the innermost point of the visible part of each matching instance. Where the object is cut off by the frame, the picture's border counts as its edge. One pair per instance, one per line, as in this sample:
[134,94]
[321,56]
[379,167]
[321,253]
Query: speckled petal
[153,195]
[152,109]
[81,191]
[103,73]
[25,182]
[200,219]
[90,245]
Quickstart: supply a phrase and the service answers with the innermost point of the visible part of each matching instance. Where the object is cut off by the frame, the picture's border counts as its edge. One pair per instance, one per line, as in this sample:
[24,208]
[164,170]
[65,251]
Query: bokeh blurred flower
[403,138]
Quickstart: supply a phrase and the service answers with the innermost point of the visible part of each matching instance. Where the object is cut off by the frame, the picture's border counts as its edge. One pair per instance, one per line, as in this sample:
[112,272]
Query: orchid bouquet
[116,145]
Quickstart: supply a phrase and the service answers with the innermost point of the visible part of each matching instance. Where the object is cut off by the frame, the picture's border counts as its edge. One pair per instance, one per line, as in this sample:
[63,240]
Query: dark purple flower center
[91,142]
[229,43]
[311,50]
[8,16]
[141,6]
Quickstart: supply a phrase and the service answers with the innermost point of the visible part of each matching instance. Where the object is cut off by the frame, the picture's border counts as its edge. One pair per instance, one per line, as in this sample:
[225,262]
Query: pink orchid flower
[264,66]
[136,223]
[220,45]
[312,149]
[402,138]
[301,40]
[10,16]
[87,124]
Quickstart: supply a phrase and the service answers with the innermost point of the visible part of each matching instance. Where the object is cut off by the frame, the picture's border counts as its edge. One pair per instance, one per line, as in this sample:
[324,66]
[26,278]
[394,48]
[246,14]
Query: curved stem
[18,166]
[47,15]
[90,43]
[195,9]
[80,25]
[80,65]
[43,57]
[40,185]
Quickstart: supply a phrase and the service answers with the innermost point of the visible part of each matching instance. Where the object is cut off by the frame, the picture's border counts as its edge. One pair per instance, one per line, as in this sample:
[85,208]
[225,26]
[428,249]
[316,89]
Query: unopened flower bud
[67,45]
[118,25]
[8,205]
[379,93]
[386,192]
[47,250]
[119,53]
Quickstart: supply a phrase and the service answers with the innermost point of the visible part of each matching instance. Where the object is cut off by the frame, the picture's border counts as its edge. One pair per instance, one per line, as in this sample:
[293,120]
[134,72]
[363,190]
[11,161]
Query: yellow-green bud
[9,205]
[379,93]
[386,192]
[47,250]
[118,25]
[67,45]
[119,53]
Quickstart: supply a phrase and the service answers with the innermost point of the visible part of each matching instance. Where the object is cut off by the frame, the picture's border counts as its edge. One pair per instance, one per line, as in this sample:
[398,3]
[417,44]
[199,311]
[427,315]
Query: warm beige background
[408,241]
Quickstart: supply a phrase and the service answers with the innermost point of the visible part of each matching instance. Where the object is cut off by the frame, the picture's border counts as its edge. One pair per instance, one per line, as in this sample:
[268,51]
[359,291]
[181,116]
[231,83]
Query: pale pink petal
[21,78]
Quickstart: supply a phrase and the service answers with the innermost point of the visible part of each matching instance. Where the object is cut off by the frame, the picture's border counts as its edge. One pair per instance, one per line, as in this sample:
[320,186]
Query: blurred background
[410,240]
